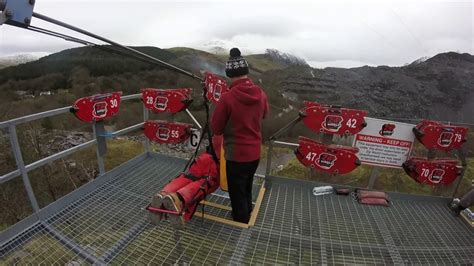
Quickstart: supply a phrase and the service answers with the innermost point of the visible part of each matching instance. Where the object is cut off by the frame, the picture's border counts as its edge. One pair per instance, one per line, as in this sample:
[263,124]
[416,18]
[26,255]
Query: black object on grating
[110,226]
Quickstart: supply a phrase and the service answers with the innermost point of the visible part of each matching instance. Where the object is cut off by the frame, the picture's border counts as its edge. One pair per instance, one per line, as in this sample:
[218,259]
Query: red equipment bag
[364,194]
[215,86]
[432,172]
[333,120]
[374,201]
[167,132]
[169,101]
[327,158]
[372,197]
[97,107]
[434,135]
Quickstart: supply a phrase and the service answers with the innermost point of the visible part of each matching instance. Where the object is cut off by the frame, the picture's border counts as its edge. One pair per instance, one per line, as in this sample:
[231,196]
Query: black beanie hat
[237,65]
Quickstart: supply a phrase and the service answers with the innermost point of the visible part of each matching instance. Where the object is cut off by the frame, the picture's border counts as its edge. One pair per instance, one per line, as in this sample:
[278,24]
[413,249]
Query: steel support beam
[21,166]
[146,116]
[72,245]
[101,149]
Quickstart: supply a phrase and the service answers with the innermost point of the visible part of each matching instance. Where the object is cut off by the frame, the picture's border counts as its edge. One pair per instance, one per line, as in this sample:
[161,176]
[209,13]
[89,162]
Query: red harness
[333,120]
[327,158]
[432,172]
[166,101]
[167,132]
[434,135]
[98,107]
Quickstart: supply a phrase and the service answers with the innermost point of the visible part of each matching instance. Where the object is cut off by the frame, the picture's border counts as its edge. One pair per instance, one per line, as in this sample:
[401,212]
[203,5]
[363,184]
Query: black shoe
[455,208]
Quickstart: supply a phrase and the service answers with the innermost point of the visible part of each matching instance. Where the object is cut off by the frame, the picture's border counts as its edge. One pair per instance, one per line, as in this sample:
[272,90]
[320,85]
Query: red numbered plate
[167,132]
[434,135]
[432,172]
[97,107]
[333,120]
[216,86]
[332,159]
[166,101]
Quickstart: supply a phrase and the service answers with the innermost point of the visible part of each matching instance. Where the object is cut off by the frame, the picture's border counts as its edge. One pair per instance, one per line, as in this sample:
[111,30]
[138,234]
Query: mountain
[439,87]
[13,60]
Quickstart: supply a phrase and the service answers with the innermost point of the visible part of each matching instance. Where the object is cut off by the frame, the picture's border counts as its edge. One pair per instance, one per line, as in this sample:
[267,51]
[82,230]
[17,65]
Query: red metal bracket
[432,172]
[158,210]
[434,135]
[216,86]
[169,101]
[333,159]
[97,107]
[333,120]
[167,132]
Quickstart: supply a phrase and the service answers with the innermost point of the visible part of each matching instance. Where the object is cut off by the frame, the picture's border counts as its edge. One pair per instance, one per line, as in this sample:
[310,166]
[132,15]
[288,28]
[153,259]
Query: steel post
[373,177]
[146,116]
[462,157]
[98,128]
[21,166]
[269,159]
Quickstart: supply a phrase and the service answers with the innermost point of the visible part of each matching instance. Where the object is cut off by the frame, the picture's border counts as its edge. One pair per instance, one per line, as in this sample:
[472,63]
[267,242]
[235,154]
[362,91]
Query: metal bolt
[8,13]
[27,21]
[32,2]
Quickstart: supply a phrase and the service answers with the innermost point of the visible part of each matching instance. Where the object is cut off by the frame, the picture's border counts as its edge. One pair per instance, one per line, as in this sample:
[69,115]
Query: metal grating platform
[108,225]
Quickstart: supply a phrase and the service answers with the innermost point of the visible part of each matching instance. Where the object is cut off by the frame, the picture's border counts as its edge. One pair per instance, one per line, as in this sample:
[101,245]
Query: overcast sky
[332,33]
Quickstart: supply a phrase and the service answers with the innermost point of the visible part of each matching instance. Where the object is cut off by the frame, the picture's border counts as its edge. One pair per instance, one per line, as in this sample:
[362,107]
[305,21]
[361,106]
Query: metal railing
[23,170]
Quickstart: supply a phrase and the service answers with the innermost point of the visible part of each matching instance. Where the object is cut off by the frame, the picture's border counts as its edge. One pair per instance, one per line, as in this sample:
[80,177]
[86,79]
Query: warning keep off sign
[384,143]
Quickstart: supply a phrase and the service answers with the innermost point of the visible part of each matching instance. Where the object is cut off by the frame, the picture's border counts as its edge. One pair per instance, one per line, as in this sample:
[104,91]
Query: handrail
[32,166]
[63,110]
[32,117]
[4,178]
[24,119]
[129,129]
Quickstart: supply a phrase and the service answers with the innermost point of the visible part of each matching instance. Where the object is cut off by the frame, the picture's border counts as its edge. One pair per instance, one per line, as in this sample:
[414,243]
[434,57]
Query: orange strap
[223,171]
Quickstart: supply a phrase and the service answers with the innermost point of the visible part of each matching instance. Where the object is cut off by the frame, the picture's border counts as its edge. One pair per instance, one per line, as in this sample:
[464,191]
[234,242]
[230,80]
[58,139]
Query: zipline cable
[92,35]
[91,44]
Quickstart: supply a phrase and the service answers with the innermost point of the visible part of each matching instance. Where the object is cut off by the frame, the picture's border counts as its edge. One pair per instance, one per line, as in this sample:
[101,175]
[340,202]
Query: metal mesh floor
[109,225]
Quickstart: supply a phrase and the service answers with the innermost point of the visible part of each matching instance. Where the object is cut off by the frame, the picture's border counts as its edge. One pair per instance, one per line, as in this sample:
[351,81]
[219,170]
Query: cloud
[340,33]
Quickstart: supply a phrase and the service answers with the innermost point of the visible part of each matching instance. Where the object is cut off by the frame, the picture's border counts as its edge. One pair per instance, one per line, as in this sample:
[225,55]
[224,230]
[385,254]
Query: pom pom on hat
[235,52]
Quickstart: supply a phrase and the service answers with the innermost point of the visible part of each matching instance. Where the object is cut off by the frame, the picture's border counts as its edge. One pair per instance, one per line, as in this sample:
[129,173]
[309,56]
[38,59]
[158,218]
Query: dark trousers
[468,200]
[240,180]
